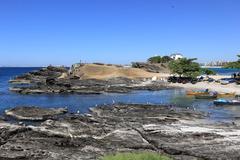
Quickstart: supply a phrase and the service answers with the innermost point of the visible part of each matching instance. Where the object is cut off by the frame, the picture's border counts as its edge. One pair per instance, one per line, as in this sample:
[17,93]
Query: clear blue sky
[42,32]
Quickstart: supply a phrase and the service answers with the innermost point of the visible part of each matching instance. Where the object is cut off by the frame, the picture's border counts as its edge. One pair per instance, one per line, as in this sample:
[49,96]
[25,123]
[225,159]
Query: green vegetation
[136,156]
[207,71]
[185,67]
[235,64]
[159,59]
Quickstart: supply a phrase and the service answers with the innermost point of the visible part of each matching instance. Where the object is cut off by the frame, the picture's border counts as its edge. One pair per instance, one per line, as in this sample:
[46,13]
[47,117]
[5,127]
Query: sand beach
[212,86]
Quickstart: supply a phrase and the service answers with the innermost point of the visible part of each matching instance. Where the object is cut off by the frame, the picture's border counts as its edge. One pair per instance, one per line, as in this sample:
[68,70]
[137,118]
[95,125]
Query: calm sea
[222,71]
[82,103]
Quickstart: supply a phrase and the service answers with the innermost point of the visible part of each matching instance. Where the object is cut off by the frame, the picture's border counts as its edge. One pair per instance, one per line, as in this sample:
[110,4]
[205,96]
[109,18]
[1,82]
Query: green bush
[208,71]
[135,156]
[185,67]
[235,64]
[159,59]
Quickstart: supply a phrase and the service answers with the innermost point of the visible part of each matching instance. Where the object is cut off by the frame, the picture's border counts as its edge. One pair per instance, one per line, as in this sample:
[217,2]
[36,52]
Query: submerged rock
[34,113]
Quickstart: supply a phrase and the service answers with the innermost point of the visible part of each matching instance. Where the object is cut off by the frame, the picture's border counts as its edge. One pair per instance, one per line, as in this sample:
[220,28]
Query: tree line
[235,64]
[183,67]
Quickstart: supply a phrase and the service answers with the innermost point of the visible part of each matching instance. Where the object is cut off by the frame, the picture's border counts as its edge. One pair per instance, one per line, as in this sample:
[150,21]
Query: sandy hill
[96,71]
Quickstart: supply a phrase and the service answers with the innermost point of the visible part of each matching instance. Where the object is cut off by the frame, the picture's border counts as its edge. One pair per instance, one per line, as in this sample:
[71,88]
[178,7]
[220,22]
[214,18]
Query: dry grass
[94,71]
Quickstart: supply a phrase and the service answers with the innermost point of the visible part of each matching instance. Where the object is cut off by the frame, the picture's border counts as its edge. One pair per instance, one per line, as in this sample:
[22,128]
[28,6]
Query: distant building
[176,56]
[217,63]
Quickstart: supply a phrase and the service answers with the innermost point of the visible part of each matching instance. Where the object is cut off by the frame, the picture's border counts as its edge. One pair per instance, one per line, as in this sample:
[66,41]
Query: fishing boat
[232,94]
[226,102]
[206,96]
[194,93]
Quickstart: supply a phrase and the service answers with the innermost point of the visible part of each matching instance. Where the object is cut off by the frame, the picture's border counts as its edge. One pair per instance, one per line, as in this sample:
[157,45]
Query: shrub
[159,59]
[208,71]
[185,67]
[155,59]
[235,64]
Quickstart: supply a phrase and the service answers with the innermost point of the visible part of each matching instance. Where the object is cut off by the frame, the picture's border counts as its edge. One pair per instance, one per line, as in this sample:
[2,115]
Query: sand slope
[94,71]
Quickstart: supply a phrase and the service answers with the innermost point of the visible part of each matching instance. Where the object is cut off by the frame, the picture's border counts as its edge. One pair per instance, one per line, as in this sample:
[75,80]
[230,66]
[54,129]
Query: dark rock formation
[34,113]
[57,80]
[178,132]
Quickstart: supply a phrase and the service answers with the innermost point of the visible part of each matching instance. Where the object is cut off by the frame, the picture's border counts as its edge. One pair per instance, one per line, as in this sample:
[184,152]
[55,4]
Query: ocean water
[82,103]
[223,71]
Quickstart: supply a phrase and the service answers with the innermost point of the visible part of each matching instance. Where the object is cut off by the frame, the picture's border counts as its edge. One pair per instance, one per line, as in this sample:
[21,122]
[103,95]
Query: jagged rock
[178,132]
[55,80]
[51,80]
[34,113]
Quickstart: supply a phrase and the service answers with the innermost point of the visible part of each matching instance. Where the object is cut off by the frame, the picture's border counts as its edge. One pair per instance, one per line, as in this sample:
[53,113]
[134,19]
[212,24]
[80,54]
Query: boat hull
[190,93]
[226,95]
[226,103]
[206,97]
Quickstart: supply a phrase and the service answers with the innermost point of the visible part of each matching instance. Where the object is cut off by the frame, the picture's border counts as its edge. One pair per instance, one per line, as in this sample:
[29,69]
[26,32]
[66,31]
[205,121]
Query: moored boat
[219,95]
[207,96]
[226,102]
[194,93]
[232,94]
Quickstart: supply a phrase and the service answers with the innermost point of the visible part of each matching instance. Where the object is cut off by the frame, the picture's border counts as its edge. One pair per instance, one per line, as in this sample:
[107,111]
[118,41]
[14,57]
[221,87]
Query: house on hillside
[176,56]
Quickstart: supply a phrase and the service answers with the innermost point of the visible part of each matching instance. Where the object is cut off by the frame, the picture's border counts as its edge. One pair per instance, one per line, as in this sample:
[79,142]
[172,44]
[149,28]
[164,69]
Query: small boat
[226,102]
[194,93]
[232,94]
[206,96]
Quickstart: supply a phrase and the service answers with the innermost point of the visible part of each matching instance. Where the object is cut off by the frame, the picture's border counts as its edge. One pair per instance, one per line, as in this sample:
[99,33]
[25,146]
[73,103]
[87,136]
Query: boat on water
[194,93]
[206,96]
[203,93]
[226,102]
[232,94]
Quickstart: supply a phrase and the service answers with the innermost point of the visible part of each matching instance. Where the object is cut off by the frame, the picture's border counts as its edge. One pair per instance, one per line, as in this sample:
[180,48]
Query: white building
[176,56]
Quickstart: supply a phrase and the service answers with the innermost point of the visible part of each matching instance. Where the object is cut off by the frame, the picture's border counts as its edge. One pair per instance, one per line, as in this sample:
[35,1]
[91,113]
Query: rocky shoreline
[177,132]
[34,113]
[55,80]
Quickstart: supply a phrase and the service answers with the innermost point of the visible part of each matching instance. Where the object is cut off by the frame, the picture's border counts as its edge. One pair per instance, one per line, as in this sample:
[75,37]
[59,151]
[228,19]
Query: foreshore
[176,132]
[212,86]
[97,79]
[179,132]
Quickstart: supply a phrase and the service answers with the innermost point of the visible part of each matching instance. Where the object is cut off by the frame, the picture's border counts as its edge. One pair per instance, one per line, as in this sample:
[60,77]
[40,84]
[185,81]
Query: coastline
[116,127]
[173,131]
[212,86]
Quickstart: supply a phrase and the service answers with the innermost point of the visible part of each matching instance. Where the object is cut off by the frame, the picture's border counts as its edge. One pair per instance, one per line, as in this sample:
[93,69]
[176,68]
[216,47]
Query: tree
[155,59]
[166,59]
[207,71]
[159,59]
[235,64]
[185,67]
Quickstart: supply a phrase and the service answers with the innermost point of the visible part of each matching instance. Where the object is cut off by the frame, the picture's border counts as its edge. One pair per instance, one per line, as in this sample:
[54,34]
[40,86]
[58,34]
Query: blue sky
[42,32]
